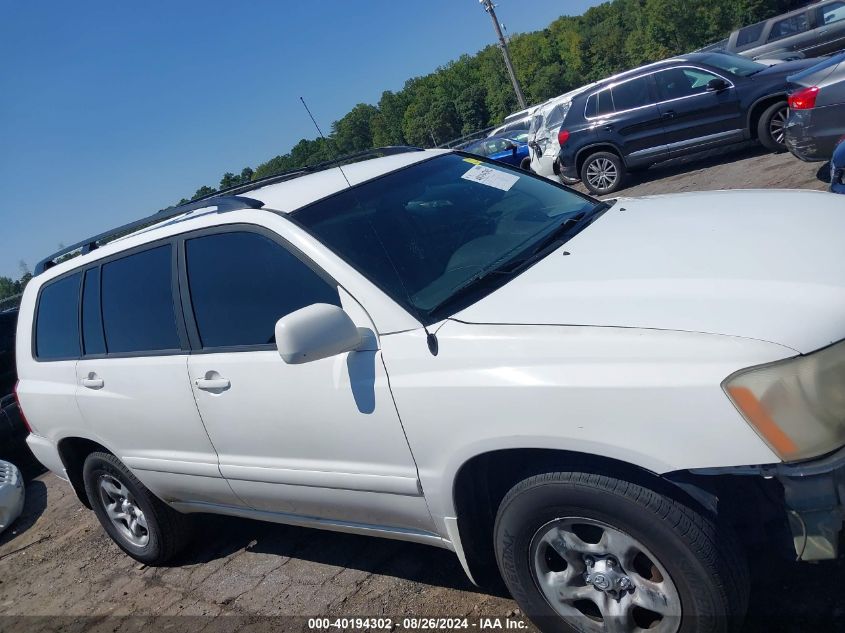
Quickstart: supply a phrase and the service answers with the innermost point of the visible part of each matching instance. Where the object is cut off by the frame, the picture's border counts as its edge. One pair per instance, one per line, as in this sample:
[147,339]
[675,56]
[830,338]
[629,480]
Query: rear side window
[57,320]
[137,297]
[631,94]
[749,34]
[93,341]
[599,104]
[793,25]
[241,283]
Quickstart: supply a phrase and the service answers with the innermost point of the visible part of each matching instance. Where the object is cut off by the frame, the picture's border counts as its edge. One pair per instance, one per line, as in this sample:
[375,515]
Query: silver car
[816,119]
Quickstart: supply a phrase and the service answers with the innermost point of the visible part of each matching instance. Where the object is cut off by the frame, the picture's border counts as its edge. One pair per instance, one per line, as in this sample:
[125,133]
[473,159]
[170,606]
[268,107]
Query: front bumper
[814,500]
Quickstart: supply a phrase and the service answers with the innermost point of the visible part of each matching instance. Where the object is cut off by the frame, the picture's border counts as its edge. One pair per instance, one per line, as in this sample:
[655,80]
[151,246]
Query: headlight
[796,405]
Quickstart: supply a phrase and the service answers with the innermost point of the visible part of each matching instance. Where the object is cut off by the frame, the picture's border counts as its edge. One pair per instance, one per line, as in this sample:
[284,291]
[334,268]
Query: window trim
[99,263]
[34,336]
[185,292]
[731,86]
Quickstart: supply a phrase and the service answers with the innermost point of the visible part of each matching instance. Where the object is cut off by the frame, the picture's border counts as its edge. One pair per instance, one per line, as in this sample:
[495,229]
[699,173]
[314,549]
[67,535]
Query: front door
[132,381]
[696,117]
[319,440]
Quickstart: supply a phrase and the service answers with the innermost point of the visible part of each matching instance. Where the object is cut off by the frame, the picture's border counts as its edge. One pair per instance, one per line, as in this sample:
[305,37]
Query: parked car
[543,135]
[515,126]
[837,168]
[12,429]
[670,109]
[607,401]
[816,119]
[503,149]
[812,31]
[12,494]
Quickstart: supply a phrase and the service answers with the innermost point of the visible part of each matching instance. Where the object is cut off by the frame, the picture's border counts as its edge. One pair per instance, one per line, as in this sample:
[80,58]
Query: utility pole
[488,6]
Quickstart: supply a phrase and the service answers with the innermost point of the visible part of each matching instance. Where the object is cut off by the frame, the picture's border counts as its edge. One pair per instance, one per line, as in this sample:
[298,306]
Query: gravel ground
[59,572]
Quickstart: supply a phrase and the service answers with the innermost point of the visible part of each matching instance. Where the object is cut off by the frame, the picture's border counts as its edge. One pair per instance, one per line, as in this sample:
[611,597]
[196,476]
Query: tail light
[20,409]
[804,99]
[562,137]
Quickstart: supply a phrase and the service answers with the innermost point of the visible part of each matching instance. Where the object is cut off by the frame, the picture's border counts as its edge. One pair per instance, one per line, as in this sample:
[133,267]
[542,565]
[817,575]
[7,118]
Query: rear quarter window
[57,319]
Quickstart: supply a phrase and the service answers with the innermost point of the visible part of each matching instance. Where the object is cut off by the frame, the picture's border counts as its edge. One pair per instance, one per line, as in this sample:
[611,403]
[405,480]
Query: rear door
[132,381]
[695,117]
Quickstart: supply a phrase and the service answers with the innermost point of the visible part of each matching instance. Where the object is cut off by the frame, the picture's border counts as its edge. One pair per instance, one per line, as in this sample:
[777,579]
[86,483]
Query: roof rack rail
[223,204]
[378,152]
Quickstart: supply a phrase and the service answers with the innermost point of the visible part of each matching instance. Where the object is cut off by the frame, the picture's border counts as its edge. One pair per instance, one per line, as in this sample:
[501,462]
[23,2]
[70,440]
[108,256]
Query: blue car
[837,168]
[503,149]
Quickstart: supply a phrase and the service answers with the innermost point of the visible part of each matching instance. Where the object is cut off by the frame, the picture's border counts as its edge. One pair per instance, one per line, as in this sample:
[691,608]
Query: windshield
[424,232]
[733,64]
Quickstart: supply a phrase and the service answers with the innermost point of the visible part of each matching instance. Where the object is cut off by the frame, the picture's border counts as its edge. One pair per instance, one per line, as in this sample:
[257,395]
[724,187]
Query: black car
[12,427]
[671,109]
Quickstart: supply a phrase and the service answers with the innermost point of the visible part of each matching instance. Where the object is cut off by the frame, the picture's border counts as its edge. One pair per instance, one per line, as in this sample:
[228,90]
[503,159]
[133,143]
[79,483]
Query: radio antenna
[430,338]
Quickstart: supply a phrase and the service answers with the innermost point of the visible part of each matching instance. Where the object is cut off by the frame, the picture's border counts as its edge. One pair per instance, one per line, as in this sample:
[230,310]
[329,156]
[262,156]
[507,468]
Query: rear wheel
[525,165]
[141,524]
[771,128]
[603,173]
[582,552]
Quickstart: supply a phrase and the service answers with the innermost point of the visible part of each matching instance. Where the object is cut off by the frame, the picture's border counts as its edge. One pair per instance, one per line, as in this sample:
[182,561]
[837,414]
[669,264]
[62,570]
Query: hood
[765,265]
[786,68]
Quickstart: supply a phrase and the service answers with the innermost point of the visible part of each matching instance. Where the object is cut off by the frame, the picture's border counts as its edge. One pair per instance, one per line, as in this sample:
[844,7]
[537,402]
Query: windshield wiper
[513,266]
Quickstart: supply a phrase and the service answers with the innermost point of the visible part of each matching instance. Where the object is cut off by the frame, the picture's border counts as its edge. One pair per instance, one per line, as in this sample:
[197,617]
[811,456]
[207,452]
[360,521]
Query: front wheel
[141,524]
[582,552]
[603,173]
[771,128]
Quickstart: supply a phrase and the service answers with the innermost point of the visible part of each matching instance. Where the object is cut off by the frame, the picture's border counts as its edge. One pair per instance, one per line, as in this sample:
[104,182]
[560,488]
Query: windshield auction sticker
[485,175]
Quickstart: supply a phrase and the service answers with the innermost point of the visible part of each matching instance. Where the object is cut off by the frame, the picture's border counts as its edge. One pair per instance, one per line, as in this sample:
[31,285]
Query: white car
[544,135]
[604,401]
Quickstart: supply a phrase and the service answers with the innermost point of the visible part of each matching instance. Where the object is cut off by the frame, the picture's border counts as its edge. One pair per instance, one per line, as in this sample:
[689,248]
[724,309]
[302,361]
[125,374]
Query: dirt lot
[59,572]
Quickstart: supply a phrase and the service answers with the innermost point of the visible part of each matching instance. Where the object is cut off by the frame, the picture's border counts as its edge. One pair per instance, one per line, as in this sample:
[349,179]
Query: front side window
[428,233]
[241,283]
[676,83]
[631,94]
[137,297]
[57,320]
[793,25]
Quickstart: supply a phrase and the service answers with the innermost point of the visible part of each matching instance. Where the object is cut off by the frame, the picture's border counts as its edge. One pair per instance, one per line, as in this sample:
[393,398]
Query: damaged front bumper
[814,499]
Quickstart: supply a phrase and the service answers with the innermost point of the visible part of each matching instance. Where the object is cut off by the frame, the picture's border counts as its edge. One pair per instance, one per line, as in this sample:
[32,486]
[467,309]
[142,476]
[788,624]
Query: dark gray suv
[818,29]
[816,120]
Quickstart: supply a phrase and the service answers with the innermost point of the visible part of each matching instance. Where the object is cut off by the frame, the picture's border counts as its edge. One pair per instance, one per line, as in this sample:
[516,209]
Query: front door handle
[669,114]
[212,384]
[92,381]
[608,128]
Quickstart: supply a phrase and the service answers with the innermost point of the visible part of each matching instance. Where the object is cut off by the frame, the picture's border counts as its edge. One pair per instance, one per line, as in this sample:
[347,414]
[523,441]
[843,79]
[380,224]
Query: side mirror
[717,84]
[511,146]
[315,332]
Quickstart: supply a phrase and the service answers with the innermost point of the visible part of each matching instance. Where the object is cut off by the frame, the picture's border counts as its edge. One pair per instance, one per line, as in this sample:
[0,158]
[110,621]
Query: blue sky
[112,110]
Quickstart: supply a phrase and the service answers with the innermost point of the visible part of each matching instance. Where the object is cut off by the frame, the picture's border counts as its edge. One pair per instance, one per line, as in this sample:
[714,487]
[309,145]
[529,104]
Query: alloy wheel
[602,173]
[777,126]
[123,511]
[599,578]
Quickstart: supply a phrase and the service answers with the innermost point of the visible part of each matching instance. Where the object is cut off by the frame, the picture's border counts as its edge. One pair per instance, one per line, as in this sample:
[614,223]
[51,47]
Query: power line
[489,7]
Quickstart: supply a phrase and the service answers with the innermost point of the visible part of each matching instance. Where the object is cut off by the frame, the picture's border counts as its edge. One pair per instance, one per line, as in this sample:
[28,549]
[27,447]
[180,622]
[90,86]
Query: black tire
[168,531]
[525,165]
[706,567]
[601,163]
[770,127]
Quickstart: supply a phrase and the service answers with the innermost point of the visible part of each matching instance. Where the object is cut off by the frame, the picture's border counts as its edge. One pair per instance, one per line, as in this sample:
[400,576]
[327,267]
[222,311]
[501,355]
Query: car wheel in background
[584,552]
[141,524]
[603,173]
[568,181]
[525,165]
[771,128]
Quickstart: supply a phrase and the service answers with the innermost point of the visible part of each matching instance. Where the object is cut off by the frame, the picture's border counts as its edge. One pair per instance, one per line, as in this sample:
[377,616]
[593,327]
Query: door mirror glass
[717,84]
[315,332]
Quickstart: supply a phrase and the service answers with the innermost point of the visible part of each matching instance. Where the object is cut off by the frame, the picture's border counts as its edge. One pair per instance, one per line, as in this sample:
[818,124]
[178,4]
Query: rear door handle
[608,128]
[210,384]
[669,114]
[93,382]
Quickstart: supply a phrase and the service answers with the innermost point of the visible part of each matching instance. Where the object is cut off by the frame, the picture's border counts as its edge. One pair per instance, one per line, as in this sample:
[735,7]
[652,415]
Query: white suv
[606,400]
